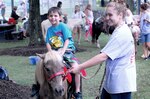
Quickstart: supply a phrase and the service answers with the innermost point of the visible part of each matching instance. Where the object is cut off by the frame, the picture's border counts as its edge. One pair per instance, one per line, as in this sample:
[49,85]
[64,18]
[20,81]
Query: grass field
[23,73]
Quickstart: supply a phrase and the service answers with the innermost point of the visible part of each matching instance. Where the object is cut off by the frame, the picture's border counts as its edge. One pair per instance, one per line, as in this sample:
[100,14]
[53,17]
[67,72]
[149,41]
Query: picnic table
[5,31]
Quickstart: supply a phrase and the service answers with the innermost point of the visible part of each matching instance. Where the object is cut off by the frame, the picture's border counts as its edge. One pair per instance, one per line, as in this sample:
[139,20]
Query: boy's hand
[61,51]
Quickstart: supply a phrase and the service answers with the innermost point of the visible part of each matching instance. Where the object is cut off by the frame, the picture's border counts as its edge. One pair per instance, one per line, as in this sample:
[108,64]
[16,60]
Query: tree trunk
[131,5]
[34,29]
[102,3]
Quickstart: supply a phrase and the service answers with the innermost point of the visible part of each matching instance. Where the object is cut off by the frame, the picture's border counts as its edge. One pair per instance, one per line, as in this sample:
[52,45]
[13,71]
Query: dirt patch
[23,51]
[28,50]
[10,90]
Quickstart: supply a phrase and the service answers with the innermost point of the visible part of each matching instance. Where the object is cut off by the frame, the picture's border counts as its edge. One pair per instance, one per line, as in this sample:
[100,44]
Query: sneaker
[78,95]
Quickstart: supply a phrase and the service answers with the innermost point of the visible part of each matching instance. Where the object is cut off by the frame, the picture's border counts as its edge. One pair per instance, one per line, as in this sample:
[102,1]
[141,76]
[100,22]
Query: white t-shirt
[78,15]
[120,66]
[21,10]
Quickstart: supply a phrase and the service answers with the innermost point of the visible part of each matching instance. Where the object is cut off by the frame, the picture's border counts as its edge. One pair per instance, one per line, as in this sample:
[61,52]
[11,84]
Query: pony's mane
[54,58]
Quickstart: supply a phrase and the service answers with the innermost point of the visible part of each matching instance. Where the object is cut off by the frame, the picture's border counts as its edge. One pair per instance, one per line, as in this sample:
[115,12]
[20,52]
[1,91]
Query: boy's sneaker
[78,95]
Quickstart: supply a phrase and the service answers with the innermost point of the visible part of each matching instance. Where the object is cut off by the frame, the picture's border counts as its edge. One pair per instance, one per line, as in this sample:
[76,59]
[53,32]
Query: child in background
[19,27]
[89,21]
[77,29]
[59,37]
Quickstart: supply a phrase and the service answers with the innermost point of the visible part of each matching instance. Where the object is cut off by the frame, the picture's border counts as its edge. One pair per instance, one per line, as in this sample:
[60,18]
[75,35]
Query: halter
[65,74]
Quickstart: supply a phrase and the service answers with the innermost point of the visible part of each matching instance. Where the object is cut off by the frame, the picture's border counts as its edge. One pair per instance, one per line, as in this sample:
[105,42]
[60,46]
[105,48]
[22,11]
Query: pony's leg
[97,43]
[97,39]
[74,31]
[93,32]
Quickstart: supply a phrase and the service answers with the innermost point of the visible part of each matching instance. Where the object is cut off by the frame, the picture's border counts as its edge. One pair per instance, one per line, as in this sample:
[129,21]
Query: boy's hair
[54,9]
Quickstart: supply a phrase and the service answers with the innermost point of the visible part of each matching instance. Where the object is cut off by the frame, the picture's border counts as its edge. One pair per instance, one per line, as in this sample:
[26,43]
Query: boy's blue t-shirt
[57,35]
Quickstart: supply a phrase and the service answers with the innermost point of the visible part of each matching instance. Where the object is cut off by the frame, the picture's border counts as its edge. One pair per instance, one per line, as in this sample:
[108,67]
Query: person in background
[20,26]
[22,10]
[59,37]
[129,19]
[14,14]
[45,25]
[64,19]
[77,29]
[133,24]
[145,30]
[27,8]
[2,7]
[89,20]
[119,54]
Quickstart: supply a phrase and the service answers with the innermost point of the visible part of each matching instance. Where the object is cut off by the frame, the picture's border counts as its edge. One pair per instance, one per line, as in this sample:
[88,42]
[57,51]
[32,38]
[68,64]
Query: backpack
[3,73]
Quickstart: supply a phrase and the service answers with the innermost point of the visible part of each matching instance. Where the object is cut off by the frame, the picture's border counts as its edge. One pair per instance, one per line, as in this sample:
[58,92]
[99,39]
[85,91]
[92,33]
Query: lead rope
[101,84]
[92,75]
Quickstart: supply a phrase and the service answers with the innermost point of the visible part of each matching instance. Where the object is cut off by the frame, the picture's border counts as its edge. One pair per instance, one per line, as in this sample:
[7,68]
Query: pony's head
[53,72]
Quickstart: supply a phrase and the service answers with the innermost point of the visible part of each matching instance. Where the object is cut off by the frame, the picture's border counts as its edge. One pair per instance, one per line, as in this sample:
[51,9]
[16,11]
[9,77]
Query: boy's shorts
[144,38]
[69,57]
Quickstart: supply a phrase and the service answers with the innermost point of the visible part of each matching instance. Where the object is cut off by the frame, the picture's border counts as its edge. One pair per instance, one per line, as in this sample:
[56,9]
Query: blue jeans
[106,95]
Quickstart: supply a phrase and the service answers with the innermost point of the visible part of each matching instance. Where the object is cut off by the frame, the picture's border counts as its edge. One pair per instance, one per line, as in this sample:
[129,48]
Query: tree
[131,5]
[34,27]
[102,3]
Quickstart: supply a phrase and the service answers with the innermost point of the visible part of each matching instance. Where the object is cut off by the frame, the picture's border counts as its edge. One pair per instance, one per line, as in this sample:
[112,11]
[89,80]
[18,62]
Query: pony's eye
[47,69]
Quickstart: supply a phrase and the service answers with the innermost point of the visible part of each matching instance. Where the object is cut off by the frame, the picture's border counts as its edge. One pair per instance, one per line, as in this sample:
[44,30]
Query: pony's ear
[41,55]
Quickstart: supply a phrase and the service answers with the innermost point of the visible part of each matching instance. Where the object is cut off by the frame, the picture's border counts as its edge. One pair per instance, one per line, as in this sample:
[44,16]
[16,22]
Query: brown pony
[49,74]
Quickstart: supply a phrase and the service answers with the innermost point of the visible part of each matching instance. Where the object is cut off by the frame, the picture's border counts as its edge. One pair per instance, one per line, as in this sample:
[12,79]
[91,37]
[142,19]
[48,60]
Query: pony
[51,77]
[100,26]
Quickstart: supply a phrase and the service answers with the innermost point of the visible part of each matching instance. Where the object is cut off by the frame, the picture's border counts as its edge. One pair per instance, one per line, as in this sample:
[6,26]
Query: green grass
[23,73]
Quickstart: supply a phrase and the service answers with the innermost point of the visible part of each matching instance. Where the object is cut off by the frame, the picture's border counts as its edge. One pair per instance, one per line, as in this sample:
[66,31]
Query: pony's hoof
[98,45]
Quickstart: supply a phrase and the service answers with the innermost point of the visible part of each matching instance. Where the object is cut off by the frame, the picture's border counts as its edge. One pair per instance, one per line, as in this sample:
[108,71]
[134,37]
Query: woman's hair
[54,9]
[59,4]
[144,6]
[120,8]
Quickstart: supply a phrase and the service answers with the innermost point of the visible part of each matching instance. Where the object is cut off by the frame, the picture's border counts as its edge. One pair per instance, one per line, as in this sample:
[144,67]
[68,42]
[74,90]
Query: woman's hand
[75,69]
